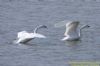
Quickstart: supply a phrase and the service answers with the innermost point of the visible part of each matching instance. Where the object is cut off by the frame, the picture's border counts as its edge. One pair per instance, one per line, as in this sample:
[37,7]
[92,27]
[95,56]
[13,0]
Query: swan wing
[71,27]
[39,35]
[65,38]
[22,34]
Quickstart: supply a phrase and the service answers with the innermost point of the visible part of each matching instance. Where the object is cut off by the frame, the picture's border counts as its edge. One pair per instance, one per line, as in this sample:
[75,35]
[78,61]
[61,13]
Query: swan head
[43,26]
[85,26]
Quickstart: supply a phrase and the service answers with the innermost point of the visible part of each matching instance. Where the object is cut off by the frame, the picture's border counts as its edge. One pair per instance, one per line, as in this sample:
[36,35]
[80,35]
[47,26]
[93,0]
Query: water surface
[18,15]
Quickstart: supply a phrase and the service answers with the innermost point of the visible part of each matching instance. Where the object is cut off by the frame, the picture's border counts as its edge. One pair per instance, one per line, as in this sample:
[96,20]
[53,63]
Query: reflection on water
[18,15]
[73,42]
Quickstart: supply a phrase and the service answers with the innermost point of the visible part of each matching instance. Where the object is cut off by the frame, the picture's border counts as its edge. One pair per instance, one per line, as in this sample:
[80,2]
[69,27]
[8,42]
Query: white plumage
[24,36]
[72,32]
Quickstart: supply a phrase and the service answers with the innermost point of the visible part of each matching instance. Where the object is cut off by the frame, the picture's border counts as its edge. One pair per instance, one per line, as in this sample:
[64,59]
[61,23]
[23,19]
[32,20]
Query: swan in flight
[24,36]
[72,32]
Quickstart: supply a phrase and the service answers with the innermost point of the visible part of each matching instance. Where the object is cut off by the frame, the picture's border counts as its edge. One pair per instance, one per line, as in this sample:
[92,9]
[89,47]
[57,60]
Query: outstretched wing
[71,27]
[39,35]
[21,34]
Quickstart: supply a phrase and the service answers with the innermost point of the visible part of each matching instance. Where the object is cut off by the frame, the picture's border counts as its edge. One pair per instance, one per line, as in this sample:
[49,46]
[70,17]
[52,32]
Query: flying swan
[24,36]
[72,32]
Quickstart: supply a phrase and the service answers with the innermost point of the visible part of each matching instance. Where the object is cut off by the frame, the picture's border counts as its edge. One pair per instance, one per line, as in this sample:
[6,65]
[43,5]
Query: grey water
[19,15]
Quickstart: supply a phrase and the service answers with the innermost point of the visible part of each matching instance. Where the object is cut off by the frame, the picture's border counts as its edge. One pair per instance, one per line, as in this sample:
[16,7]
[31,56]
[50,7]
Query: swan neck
[36,29]
[84,26]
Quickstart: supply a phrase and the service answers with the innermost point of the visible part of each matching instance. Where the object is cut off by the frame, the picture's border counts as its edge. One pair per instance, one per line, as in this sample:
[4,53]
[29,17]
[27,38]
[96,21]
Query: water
[18,15]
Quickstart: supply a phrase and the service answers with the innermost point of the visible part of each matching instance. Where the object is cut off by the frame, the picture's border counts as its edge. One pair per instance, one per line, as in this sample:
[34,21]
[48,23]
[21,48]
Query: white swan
[72,32]
[24,36]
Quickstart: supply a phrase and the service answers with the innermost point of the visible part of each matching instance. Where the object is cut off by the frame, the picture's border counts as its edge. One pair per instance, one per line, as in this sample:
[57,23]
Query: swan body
[24,36]
[72,32]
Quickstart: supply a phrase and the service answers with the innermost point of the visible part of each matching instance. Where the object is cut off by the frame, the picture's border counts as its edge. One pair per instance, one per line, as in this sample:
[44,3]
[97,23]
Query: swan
[24,36]
[72,32]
